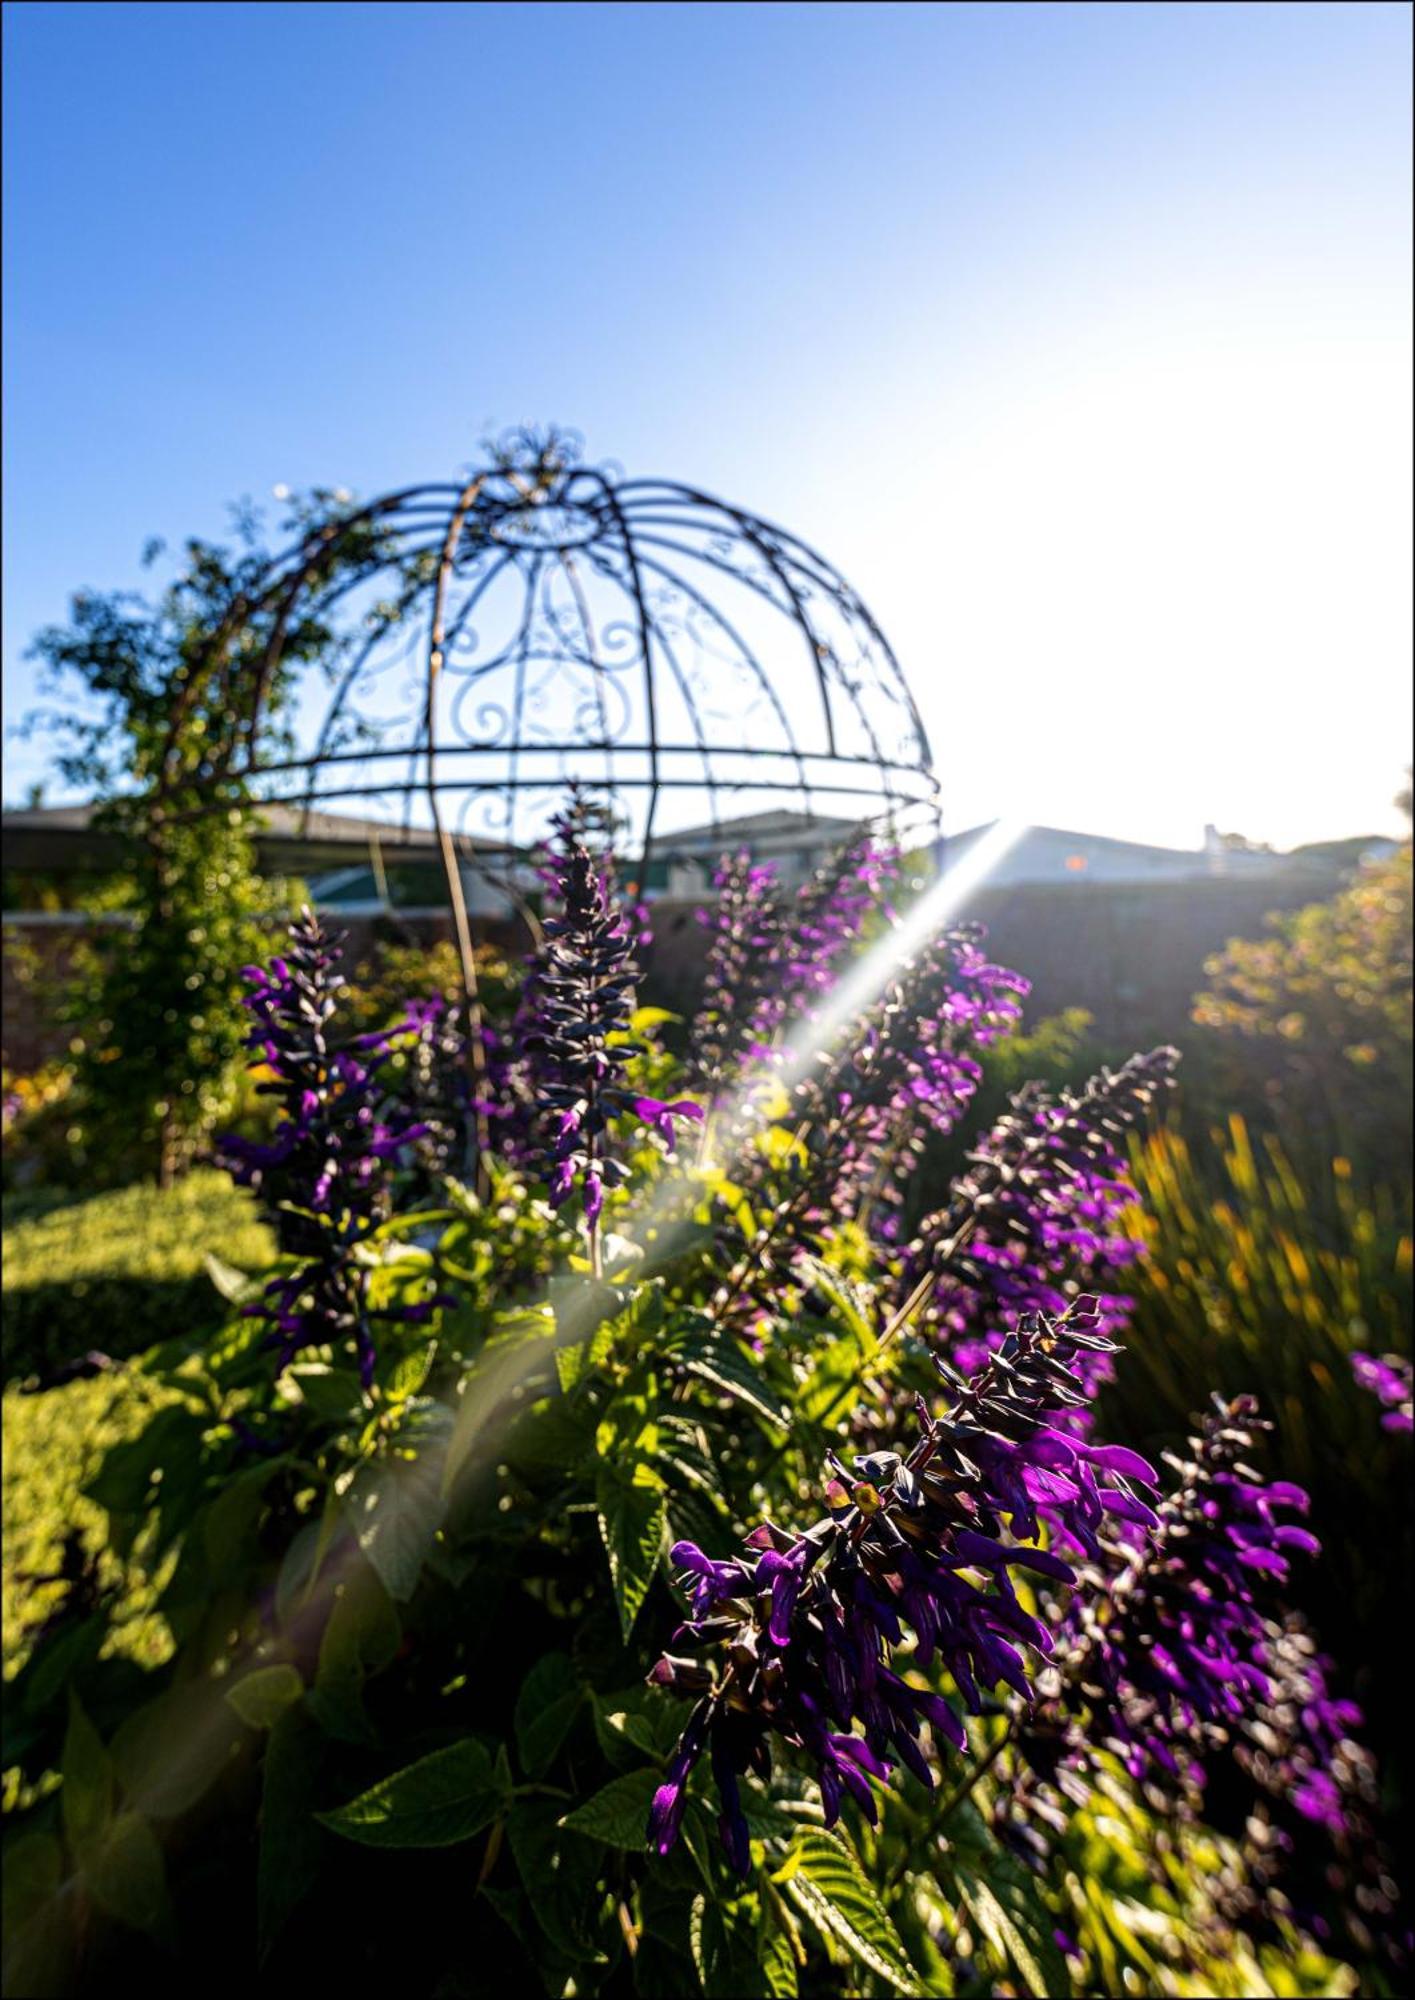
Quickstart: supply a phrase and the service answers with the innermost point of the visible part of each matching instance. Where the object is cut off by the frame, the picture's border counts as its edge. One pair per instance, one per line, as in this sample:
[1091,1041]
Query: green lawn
[116,1272]
[119,1271]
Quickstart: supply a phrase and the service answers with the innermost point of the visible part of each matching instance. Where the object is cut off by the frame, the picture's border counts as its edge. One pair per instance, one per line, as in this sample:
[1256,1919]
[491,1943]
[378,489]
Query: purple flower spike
[803,1626]
[326,1177]
[1388,1377]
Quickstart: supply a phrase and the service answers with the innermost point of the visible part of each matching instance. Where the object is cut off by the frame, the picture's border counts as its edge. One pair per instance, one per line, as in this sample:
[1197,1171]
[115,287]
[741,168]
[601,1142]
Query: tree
[178,690]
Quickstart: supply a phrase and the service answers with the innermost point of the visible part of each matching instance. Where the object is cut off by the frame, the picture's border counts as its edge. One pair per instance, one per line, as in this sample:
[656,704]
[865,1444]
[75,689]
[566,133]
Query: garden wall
[1131,956]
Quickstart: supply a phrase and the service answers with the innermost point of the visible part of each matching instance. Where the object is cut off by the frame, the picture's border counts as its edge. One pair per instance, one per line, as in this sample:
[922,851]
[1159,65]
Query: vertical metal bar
[476,1052]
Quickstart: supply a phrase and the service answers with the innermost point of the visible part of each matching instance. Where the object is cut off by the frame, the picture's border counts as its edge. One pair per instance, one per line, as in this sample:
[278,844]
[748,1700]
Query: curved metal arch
[542,614]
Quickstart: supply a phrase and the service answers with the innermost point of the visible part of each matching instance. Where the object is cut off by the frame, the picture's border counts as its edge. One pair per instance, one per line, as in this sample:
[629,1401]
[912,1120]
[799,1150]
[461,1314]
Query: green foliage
[1258,1275]
[344,1653]
[120,1271]
[160,702]
[396,972]
[1315,1021]
[160,1059]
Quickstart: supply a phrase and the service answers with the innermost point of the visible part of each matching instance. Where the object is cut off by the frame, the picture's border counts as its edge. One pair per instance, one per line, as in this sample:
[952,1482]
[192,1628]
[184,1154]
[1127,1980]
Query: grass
[119,1271]
[116,1272]
[53,1445]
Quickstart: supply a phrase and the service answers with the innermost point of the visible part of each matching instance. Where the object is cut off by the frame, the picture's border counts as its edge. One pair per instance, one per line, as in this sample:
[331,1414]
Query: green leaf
[229,1523]
[851,1303]
[332,1393]
[619,1814]
[362,1636]
[624,1725]
[167,1753]
[437,1802]
[126,1874]
[517,1356]
[827,1884]
[548,1703]
[631,1524]
[58,1660]
[237,1287]
[261,1698]
[303,1561]
[724,1363]
[396,1502]
[124,1480]
[776,1946]
[86,1800]
[833,1383]
[33,1869]
[290,1839]
[561,1876]
[720,1937]
[1016,1923]
[644,1018]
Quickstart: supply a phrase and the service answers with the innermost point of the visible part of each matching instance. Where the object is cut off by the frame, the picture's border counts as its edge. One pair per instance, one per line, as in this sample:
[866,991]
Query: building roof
[280,822]
[781,823]
[1104,840]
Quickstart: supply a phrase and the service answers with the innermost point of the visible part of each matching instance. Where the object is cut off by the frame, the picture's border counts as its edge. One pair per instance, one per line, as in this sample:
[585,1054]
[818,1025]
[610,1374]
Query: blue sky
[1079,337]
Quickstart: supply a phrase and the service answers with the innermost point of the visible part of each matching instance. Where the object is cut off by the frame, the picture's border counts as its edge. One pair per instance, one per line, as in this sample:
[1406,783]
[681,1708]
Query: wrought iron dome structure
[545,621]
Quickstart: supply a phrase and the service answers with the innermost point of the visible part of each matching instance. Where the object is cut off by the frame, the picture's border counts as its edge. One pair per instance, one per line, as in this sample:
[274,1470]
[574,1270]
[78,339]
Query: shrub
[659,1571]
[1314,1023]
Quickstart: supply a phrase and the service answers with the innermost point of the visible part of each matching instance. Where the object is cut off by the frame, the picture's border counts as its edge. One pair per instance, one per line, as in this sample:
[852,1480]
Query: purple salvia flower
[1388,1377]
[746,926]
[575,1038]
[326,1176]
[1032,1218]
[802,1626]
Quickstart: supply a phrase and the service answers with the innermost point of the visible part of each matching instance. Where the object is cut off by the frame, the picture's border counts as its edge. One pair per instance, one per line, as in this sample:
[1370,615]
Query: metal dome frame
[634,664]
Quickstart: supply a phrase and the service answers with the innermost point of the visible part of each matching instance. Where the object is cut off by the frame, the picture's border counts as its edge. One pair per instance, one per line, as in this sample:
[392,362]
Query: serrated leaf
[561,1875]
[776,1947]
[828,1885]
[631,1524]
[851,1303]
[396,1502]
[261,1698]
[437,1802]
[828,1388]
[1018,1927]
[720,1937]
[619,1814]
[724,1364]
[548,1703]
